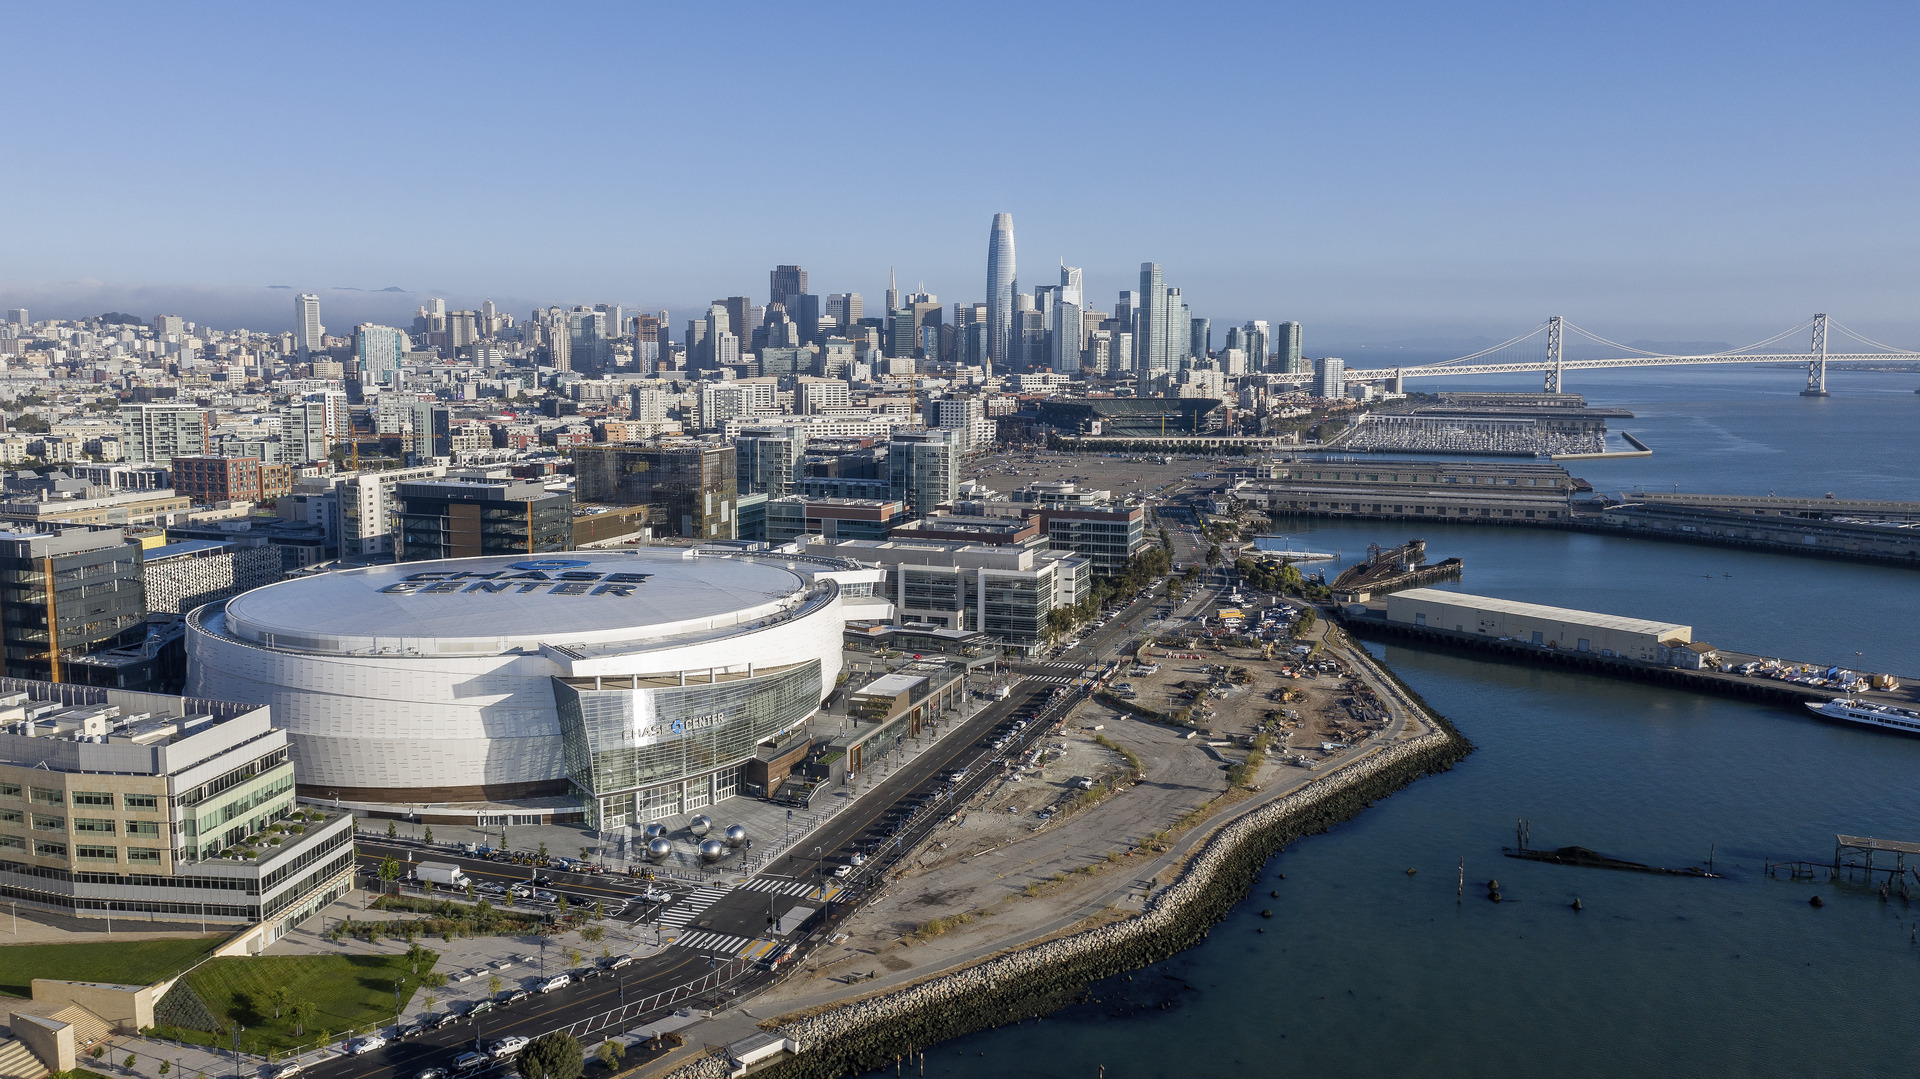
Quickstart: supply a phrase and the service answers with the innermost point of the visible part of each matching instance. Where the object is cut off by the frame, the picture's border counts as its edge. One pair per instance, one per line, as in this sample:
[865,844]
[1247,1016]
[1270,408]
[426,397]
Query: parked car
[446,1019]
[480,1007]
[615,962]
[368,1044]
[408,1030]
[285,1071]
[558,981]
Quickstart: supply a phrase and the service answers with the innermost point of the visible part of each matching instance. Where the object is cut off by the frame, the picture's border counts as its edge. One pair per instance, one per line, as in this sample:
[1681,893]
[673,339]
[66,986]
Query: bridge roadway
[1379,374]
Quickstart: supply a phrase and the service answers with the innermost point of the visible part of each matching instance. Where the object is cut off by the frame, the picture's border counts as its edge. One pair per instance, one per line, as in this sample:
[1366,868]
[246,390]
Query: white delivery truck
[442,873]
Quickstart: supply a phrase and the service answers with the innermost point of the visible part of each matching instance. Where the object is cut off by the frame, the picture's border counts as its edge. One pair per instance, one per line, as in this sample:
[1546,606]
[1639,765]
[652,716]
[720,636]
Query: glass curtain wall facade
[640,749]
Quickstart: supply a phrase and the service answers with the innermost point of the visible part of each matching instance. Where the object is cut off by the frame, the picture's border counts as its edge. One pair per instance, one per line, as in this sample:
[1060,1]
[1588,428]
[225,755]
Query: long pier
[1719,683]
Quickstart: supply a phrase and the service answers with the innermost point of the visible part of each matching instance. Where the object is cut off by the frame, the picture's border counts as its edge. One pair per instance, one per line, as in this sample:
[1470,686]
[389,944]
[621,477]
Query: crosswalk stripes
[1056,679]
[708,943]
[689,908]
[779,887]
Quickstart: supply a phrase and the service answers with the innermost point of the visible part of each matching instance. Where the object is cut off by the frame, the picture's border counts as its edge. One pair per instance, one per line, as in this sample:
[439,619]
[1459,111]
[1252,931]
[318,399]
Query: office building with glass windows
[170,808]
[637,682]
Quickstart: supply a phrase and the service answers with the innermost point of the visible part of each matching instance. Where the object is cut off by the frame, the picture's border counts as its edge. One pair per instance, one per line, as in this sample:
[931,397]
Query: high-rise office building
[1287,348]
[308,334]
[650,342]
[893,293]
[1000,288]
[18,316]
[785,281]
[843,308]
[804,309]
[1068,303]
[591,340]
[1329,378]
[1199,338]
[1152,348]
[1258,342]
[166,326]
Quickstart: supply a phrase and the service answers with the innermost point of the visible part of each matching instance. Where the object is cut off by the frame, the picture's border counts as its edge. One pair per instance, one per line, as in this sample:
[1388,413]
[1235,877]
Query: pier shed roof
[1661,631]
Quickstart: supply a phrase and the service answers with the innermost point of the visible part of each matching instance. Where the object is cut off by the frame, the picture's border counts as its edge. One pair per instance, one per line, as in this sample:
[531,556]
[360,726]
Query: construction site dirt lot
[1000,874]
[1308,706]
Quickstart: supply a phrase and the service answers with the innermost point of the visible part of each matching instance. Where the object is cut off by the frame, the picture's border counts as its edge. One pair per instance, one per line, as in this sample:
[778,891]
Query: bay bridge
[1553,361]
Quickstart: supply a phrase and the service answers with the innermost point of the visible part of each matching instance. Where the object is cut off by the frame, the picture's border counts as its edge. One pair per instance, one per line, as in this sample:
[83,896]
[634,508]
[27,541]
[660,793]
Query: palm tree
[277,998]
[414,952]
[302,1013]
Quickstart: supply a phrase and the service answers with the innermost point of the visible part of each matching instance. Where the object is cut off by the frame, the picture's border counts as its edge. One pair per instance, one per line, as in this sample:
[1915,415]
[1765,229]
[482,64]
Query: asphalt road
[741,913]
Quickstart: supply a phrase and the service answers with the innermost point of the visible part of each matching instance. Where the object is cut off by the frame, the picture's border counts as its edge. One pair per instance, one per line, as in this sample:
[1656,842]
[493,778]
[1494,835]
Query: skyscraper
[1200,338]
[1000,288]
[1068,304]
[1287,346]
[785,281]
[893,294]
[307,331]
[1151,345]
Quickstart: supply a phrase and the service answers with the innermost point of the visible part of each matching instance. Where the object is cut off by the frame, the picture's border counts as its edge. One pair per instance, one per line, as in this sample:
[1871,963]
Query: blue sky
[1377,171]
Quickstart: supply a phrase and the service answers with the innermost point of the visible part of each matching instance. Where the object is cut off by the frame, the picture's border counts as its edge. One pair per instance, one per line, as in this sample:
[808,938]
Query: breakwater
[1034,980]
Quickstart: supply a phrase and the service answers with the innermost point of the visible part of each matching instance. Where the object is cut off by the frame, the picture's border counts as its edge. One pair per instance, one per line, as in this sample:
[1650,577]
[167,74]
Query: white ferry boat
[1868,714]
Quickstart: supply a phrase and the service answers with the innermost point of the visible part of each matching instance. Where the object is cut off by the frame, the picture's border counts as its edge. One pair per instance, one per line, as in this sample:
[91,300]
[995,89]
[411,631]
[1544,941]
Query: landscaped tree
[277,998]
[302,1013]
[414,952]
[493,985]
[428,834]
[543,850]
[573,957]
[469,891]
[560,905]
[389,871]
[610,1054]
[431,1001]
[551,1056]
[393,830]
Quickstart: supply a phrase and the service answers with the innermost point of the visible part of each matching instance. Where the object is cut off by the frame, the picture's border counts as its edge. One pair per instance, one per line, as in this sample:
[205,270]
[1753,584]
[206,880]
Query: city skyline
[1402,174]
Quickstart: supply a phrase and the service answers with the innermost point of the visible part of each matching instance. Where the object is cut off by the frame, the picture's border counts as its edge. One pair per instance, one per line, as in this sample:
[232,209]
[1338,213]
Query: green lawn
[349,991]
[133,962]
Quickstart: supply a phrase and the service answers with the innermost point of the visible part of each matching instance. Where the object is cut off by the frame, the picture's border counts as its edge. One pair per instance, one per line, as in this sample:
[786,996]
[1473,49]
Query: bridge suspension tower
[1817,362]
[1553,354]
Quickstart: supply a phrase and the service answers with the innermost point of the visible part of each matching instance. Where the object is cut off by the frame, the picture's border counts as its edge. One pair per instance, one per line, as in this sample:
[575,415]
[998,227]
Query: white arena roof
[490,605]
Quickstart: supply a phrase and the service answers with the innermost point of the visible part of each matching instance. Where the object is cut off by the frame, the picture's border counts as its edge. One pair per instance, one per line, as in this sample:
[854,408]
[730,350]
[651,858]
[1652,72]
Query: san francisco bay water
[1363,970]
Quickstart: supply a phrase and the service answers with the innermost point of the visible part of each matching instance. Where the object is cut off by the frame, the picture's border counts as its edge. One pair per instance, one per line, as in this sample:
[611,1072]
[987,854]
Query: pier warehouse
[1550,627]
